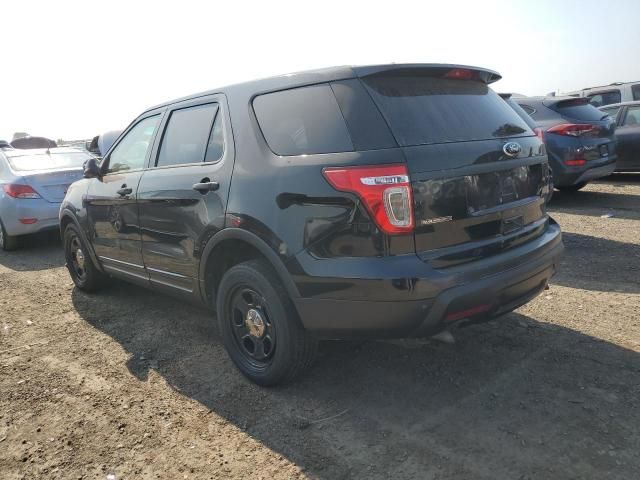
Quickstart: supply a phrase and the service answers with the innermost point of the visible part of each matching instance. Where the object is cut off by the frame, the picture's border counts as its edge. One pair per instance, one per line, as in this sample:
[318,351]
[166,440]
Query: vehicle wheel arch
[230,247]
[67,217]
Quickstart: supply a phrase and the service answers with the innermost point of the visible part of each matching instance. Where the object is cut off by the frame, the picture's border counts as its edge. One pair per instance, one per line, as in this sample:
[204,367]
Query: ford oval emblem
[511,149]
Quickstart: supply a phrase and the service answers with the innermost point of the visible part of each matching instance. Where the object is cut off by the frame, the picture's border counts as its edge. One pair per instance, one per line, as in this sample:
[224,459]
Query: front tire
[260,327]
[81,268]
[572,188]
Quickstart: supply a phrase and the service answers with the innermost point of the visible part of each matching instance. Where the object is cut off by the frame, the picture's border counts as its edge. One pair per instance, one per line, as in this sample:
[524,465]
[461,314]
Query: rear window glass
[605,98]
[424,110]
[302,121]
[578,109]
[635,90]
[52,161]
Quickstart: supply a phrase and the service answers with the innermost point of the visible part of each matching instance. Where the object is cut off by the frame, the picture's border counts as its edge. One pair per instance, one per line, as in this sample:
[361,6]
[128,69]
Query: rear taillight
[539,133]
[384,190]
[572,129]
[577,162]
[20,191]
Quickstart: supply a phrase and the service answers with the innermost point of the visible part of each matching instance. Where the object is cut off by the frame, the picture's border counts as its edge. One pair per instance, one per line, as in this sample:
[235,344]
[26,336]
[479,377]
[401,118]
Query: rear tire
[7,242]
[260,327]
[572,188]
[81,268]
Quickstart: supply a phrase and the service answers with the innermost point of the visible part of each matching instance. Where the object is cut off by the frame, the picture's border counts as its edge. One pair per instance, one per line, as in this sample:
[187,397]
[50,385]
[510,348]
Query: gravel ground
[131,384]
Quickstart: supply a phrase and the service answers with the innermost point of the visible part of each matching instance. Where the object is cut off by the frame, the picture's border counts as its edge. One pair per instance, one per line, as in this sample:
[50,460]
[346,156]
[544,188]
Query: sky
[76,69]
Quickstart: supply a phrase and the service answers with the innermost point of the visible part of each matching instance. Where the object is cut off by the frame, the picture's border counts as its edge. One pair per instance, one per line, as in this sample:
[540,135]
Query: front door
[112,209]
[182,197]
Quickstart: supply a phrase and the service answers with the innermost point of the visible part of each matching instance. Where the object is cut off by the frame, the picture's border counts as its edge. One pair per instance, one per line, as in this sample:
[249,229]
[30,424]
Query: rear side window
[635,91]
[425,110]
[605,98]
[186,135]
[302,121]
[578,110]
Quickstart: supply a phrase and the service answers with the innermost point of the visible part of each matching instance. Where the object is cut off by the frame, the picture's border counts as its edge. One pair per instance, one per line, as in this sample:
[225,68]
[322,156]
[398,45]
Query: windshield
[51,161]
[424,110]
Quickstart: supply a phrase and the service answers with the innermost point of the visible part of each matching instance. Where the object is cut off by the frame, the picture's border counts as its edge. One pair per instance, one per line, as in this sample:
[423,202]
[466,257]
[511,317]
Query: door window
[633,116]
[131,151]
[186,137]
[635,90]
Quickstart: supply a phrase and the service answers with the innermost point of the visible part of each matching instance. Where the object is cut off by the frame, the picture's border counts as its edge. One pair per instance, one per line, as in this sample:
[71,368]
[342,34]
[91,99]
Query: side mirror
[92,169]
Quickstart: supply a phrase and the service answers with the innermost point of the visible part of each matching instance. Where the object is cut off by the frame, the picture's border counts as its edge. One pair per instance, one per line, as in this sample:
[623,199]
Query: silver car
[32,186]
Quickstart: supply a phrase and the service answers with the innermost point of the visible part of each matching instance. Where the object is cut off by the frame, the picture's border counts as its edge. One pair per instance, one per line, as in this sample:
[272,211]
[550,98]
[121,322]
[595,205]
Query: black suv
[386,201]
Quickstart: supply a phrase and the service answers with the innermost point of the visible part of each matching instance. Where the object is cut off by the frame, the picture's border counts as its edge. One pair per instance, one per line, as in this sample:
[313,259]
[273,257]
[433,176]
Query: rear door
[111,202]
[182,197]
[628,134]
[478,171]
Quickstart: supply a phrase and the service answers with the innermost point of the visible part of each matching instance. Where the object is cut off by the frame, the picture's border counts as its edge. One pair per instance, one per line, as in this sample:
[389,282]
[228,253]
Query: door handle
[124,191]
[205,187]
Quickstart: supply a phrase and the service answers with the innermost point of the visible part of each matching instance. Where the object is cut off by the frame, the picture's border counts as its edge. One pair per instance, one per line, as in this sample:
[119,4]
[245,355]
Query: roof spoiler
[559,102]
[431,70]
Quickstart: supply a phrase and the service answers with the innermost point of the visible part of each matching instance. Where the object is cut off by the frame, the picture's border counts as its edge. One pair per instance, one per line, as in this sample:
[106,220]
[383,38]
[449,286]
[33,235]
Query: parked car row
[385,201]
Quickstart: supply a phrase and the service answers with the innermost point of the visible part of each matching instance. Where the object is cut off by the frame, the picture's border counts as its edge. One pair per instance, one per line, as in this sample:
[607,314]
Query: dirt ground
[131,384]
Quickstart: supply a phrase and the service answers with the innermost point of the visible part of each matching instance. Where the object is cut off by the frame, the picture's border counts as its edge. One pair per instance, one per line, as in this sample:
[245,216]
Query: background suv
[392,200]
[580,138]
[609,94]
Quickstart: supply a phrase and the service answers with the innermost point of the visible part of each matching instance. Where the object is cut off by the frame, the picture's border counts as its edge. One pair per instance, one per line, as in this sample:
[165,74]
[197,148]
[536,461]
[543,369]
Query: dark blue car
[580,139]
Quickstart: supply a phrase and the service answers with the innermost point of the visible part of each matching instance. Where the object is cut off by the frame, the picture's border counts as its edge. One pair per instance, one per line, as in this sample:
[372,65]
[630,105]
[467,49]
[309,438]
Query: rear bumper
[567,176]
[13,210]
[419,306]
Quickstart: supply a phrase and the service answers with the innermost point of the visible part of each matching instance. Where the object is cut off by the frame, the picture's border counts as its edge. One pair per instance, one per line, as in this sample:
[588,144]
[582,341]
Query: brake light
[384,190]
[539,133]
[461,74]
[575,163]
[20,191]
[470,312]
[572,129]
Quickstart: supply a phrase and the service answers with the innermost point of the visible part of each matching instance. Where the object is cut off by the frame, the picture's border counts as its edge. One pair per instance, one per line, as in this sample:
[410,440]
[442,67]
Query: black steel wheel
[260,327]
[253,330]
[81,268]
